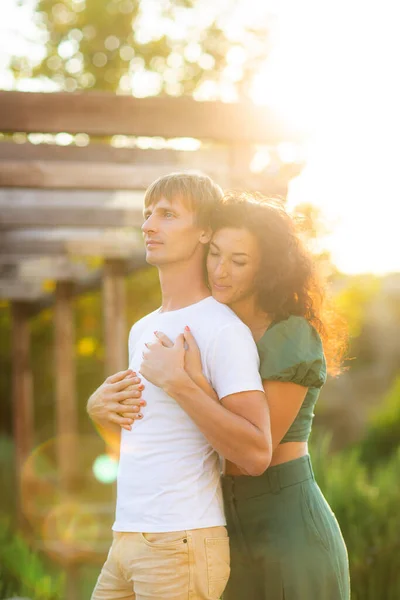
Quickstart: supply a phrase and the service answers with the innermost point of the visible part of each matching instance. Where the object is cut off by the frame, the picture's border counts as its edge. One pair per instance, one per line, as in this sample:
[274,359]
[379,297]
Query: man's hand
[118,400]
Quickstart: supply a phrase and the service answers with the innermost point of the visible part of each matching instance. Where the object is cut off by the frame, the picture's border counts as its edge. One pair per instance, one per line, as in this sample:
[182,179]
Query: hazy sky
[333,68]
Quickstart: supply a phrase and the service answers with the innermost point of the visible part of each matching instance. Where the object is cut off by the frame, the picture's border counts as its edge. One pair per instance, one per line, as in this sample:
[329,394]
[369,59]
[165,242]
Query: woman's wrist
[179,379]
[198,378]
[202,382]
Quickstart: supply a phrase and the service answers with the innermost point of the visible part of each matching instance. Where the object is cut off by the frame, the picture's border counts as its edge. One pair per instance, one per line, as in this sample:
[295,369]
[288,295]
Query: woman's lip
[220,287]
[152,243]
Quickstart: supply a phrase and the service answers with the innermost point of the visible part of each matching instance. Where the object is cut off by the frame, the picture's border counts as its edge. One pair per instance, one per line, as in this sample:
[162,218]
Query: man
[170,540]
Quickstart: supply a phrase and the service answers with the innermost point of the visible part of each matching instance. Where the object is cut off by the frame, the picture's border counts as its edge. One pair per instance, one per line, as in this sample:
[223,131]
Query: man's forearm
[232,435]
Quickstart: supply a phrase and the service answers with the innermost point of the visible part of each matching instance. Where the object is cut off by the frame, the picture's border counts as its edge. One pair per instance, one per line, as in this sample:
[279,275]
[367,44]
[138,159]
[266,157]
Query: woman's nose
[221,270]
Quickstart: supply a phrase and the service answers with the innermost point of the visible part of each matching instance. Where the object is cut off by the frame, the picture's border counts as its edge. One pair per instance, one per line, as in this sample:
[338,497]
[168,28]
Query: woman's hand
[163,365]
[118,400]
[192,359]
[193,365]
[192,362]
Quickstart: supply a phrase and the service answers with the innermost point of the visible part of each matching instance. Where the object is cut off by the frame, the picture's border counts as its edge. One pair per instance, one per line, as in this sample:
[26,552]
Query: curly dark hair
[288,282]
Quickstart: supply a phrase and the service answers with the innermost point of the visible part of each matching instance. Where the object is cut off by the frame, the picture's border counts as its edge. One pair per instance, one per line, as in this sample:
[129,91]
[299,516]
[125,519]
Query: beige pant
[180,565]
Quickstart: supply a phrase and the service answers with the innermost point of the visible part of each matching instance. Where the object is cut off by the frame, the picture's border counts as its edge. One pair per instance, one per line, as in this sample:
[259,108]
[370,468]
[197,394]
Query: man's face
[170,232]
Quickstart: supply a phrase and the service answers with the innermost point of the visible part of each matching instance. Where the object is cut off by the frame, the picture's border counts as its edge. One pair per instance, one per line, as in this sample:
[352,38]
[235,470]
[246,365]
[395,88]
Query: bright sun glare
[331,71]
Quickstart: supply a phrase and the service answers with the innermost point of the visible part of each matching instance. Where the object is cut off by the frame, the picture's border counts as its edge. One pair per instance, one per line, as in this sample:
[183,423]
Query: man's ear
[205,236]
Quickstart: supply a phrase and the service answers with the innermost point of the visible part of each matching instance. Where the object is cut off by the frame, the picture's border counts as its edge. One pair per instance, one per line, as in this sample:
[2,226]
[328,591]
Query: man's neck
[182,284]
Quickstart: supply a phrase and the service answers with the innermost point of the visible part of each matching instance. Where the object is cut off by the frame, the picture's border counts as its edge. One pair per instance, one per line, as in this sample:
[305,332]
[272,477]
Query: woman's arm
[238,427]
[285,400]
[116,404]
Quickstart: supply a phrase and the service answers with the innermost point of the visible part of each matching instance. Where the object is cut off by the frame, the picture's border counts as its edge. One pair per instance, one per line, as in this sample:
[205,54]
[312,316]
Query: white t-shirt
[168,477]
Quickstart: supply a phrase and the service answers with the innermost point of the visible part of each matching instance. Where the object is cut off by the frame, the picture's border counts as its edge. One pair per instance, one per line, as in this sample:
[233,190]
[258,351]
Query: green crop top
[291,350]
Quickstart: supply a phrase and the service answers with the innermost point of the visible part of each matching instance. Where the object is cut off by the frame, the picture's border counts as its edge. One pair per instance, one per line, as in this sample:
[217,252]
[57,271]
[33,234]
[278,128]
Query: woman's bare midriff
[282,453]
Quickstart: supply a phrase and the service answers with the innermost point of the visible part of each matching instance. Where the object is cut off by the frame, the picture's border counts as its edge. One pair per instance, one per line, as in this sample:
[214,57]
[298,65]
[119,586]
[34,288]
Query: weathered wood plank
[71,198]
[56,268]
[105,153]
[66,402]
[36,216]
[20,290]
[108,114]
[58,175]
[112,244]
[22,391]
[32,291]
[70,175]
[114,313]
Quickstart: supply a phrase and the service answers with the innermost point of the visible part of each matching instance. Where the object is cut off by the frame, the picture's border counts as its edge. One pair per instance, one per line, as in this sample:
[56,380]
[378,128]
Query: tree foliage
[169,46]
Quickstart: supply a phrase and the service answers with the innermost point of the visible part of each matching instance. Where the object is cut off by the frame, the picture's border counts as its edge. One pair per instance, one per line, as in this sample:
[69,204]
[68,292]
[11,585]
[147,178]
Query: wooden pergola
[58,202]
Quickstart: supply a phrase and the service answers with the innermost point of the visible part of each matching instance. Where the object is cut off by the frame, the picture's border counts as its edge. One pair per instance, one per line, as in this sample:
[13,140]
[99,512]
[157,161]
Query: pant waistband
[271,482]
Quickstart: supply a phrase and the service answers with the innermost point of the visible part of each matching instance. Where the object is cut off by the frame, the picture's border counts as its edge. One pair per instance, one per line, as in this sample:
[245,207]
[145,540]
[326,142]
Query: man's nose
[149,225]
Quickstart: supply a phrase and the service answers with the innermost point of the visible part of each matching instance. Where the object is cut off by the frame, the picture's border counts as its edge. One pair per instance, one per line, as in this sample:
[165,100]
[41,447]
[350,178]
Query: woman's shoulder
[295,328]
[291,350]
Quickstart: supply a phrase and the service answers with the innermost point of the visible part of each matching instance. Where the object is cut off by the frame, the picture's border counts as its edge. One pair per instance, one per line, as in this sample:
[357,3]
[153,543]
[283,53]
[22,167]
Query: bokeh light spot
[105,468]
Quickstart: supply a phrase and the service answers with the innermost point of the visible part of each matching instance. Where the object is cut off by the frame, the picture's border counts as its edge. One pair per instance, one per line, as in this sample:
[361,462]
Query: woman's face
[232,264]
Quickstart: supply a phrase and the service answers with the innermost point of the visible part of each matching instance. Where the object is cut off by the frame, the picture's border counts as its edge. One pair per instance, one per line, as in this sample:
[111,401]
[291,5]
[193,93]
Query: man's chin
[153,260]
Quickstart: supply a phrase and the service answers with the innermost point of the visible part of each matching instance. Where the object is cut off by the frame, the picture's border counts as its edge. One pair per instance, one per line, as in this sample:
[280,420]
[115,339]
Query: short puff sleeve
[291,351]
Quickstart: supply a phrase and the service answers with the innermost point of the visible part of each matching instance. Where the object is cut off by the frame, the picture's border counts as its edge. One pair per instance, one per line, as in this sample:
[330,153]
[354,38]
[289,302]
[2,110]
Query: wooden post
[114,304]
[66,409]
[22,391]
[66,405]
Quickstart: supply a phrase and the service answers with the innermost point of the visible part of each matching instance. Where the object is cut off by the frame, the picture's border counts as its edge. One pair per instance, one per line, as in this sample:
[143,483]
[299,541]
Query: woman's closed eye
[239,264]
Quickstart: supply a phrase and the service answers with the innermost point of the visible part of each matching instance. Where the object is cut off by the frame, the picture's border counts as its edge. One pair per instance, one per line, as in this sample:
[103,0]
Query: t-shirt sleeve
[291,351]
[233,361]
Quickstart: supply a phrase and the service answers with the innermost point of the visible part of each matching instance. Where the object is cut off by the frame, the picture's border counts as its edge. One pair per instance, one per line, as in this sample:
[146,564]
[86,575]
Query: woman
[285,540]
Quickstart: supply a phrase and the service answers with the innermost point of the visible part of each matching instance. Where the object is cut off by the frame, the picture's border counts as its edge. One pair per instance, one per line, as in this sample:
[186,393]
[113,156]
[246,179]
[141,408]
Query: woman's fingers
[164,339]
[126,383]
[180,341]
[119,376]
[127,419]
[133,415]
[133,402]
[129,395]
[189,339]
[119,420]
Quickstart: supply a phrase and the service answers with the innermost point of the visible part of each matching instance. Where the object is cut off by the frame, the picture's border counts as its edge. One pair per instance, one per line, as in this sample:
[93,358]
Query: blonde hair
[196,190]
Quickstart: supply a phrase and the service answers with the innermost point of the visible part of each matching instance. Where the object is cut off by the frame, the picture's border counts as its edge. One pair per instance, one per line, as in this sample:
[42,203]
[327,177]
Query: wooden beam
[33,292]
[113,244]
[71,198]
[105,114]
[71,175]
[22,390]
[21,291]
[57,268]
[38,215]
[57,175]
[66,402]
[115,327]
[103,152]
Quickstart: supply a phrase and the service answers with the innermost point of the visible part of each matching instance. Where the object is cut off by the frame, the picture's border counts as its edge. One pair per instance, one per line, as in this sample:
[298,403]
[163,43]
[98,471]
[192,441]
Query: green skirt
[285,541]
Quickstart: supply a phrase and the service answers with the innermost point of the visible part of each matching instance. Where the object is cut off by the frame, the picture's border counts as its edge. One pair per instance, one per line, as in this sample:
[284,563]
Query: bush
[382,439]
[22,572]
[366,504]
